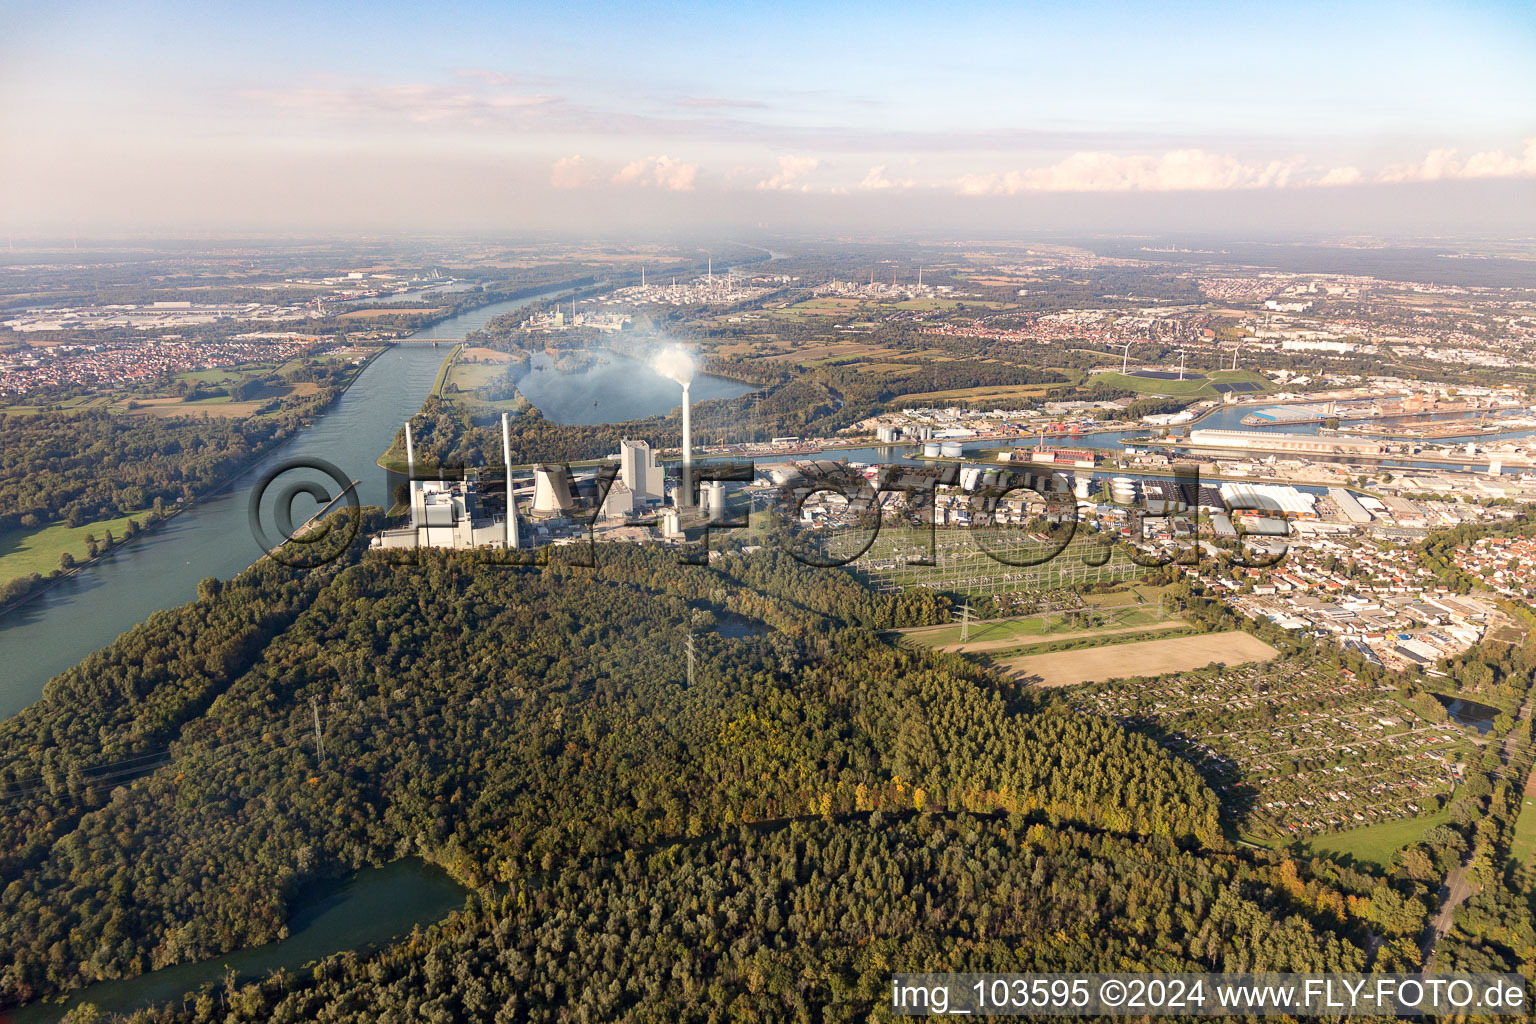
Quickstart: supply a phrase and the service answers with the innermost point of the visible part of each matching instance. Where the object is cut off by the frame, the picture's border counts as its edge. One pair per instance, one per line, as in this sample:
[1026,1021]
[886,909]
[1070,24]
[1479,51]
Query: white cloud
[1342,176]
[1444,165]
[791,170]
[1175,171]
[569,172]
[663,172]
[876,181]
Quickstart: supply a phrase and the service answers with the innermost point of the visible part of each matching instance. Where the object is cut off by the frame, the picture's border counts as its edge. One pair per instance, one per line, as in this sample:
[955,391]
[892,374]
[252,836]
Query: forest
[163,803]
[806,921]
[765,837]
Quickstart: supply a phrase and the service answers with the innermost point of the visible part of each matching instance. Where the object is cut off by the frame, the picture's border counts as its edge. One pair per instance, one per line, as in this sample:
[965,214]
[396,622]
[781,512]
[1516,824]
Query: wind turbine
[1125,358]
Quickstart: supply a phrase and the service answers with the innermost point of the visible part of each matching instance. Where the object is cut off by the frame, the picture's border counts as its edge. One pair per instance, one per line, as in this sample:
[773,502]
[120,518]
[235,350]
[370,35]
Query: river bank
[150,525]
[59,627]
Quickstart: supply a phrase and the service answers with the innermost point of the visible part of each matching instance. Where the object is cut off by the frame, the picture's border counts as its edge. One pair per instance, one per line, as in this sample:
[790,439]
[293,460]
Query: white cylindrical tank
[1082,487]
[671,523]
[952,449]
[714,497]
[1122,490]
[933,449]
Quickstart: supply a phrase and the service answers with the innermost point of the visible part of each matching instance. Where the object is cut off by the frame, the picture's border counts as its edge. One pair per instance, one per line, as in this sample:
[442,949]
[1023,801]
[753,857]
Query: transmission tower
[314,705]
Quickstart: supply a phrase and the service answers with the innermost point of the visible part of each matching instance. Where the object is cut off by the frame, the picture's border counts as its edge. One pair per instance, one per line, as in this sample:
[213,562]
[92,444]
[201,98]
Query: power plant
[452,514]
[640,473]
[449,513]
[552,492]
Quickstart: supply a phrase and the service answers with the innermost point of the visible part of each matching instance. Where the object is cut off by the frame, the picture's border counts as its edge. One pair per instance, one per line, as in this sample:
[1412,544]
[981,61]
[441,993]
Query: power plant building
[552,495]
[446,514]
[640,472]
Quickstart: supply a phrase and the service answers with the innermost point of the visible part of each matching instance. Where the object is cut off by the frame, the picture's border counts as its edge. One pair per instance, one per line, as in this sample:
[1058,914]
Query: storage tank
[714,499]
[970,476]
[933,449]
[1082,487]
[1122,490]
[952,449]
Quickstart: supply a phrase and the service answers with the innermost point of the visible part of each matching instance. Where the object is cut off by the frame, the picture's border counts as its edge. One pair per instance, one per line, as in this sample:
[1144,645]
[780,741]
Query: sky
[490,118]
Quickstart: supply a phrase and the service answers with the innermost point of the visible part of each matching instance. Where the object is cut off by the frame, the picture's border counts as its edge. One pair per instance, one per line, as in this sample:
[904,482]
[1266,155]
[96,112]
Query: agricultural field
[1522,849]
[24,551]
[1141,658]
[809,355]
[1297,750]
[980,394]
[822,306]
[1375,844]
[220,405]
[1024,630]
[1202,388]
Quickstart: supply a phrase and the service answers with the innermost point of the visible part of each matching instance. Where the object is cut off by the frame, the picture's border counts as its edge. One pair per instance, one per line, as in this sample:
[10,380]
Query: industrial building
[640,473]
[553,494]
[1281,498]
[449,514]
[1264,440]
[1348,506]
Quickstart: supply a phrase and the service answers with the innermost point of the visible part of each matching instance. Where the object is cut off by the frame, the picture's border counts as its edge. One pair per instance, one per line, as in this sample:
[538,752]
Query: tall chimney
[410,473]
[506,458]
[687,484]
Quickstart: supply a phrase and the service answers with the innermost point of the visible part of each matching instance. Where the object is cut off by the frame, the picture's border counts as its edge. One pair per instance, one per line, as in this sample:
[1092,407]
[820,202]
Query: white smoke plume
[675,363]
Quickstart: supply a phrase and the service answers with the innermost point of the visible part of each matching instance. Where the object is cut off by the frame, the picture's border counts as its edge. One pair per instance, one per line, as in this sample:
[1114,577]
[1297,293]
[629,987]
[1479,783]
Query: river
[367,910]
[213,537]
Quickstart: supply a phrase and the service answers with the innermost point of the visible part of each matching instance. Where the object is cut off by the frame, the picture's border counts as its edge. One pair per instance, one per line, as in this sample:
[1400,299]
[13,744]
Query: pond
[606,387]
[364,911]
[1469,713]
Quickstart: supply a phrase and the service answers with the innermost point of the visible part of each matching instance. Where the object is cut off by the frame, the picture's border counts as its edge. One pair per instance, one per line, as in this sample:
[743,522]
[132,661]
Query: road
[1456,891]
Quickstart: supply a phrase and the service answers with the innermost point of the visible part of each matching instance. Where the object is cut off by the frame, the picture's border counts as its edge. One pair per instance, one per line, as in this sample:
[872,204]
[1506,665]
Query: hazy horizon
[169,118]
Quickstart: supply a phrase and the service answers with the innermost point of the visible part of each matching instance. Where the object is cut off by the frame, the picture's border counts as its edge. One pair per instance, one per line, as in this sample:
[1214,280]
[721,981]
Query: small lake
[612,388]
[738,627]
[1469,713]
[364,911]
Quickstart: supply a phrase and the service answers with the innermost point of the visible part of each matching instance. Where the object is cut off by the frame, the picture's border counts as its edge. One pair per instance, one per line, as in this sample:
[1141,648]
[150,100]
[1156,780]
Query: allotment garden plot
[990,560]
[1296,749]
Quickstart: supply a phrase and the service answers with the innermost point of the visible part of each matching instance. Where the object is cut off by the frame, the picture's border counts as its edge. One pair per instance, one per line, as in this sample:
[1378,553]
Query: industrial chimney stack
[410,474]
[506,458]
[686,501]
